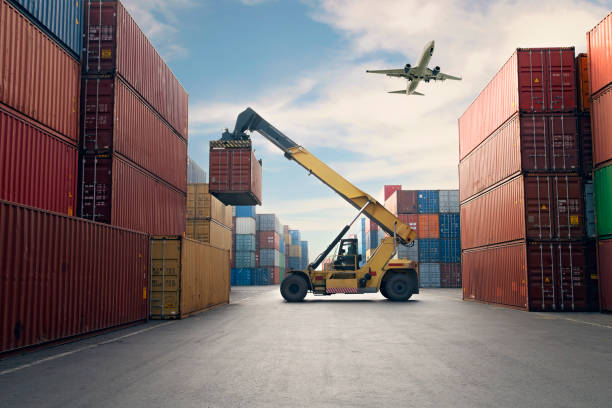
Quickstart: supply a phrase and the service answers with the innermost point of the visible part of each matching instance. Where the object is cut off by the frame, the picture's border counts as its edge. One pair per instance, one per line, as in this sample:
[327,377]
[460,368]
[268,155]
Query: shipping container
[390,189]
[187,276]
[37,168]
[304,245]
[599,43]
[244,242]
[428,226]
[402,202]
[63,23]
[202,205]
[411,220]
[409,252]
[245,259]
[542,207]
[66,276]
[449,225]
[450,275]
[118,120]
[603,200]
[604,264]
[586,144]
[210,232]
[428,202]
[589,210]
[295,251]
[296,237]
[39,78]
[295,263]
[429,250]
[268,240]
[429,275]
[533,80]
[115,44]
[195,174]
[450,250]
[601,121]
[115,192]
[235,174]
[525,143]
[268,222]
[537,276]
[242,276]
[449,201]
[245,225]
[269,257]
[245,211]
[583,88]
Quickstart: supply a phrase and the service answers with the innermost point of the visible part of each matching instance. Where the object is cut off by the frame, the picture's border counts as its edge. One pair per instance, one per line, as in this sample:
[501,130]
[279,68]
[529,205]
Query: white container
[429,274]
[245,225]
[410,253]
[449,201]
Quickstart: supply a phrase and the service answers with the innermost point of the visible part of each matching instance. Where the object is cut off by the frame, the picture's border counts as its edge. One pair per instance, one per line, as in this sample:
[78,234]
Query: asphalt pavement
[340,351]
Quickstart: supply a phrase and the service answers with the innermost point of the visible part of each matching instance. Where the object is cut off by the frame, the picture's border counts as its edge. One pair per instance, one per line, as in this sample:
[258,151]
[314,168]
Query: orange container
[582,82]
[428,226]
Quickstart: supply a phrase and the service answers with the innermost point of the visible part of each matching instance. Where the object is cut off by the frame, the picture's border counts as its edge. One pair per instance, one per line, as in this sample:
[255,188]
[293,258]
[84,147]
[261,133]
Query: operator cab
[347,258]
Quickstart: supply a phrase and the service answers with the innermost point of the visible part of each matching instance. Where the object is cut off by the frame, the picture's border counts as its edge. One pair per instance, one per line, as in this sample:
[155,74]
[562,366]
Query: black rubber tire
[294,288]
[399,287]
[383,291]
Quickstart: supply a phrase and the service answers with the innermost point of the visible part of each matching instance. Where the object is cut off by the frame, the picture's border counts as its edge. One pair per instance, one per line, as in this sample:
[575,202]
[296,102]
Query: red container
[390,189]
[115,192]
[428,226]
[37,77]
[403,202]
[114,43]
[599,44]
[64,276]
[370,225]
[601,107]
[275,274]
[541,207]
[117,120]
[37,168]
[235,176]
[410,219]
[268,240]
[586,143]
[604,267]
[537,276]
[450,275]
[526,142]
[533,80]
[582,83]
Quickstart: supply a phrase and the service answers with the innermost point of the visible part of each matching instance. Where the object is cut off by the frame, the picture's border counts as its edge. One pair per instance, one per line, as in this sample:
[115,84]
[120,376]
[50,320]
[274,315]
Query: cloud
[254,2]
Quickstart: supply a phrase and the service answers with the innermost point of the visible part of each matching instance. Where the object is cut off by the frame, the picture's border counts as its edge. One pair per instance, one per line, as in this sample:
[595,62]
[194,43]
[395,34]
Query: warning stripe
[342,290]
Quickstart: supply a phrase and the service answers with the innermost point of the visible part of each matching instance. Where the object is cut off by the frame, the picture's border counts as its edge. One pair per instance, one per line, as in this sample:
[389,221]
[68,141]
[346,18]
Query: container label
[107,53]
[574,220]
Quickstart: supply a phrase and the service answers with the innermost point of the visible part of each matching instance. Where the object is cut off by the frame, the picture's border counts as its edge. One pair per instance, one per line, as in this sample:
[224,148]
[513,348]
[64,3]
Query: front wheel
[294,288]
[398,288]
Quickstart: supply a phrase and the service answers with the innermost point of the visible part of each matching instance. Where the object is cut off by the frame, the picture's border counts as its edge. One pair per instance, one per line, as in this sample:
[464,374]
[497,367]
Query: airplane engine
[407,68]
[436,70]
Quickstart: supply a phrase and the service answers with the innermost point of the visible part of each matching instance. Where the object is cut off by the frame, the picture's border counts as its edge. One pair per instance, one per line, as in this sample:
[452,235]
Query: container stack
[295,251]
[521,188]
[304,255]
[195,174]
[134,128]
[39,104]
[269,231]
[434,214]
[362,240]
[599,44]
[244,239]
[208,219]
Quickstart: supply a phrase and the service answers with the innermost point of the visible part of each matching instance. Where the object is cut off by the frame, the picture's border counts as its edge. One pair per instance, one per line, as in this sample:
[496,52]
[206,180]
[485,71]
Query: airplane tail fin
[403,91]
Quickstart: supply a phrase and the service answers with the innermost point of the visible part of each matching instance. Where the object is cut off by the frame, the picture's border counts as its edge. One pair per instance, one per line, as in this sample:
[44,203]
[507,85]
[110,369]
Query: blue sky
[301,65]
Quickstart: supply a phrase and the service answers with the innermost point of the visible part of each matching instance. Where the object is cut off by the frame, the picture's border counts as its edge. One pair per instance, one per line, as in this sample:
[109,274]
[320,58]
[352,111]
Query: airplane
[414,75]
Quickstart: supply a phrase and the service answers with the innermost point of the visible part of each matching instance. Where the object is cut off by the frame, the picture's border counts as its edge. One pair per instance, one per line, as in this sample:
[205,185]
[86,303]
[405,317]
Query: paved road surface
[339,351]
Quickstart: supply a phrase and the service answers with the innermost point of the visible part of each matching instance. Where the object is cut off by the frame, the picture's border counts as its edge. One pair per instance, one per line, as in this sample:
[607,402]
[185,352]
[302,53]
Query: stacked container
[244,238]
[521,183]
[208,219]
[195,174]
[304,257]
[295,251]
[599,43]
[362,241]
[134,127]
[269,230]
[434,214]
[39,105]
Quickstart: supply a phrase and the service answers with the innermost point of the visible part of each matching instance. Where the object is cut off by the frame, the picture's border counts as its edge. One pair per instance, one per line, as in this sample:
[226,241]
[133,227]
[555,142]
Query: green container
[603,201]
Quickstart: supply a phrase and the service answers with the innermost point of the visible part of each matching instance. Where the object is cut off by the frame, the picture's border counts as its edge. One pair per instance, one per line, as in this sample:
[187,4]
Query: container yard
[141,233]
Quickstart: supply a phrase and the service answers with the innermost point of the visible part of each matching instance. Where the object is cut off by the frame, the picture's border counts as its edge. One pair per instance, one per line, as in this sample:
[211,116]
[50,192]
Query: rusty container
[599,43]
[235,175]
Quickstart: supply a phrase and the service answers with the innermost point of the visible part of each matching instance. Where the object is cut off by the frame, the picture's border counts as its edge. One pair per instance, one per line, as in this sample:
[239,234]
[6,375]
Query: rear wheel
[294,288]
[383,291]
[398,288]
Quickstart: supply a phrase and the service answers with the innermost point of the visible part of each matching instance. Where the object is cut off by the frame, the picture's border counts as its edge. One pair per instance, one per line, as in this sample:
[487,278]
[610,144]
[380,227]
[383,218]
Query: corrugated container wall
[449,201]
[245,225]
[245,211]
[604,259]
[533,80]
[210,232]
[39,78]
[88,276]
[429,275]
[599,43]
[582,82]
[603,201]
[63,22]
[601,121]
[195,174]
[428,202]
[402,202]
[36,168]
[235,175]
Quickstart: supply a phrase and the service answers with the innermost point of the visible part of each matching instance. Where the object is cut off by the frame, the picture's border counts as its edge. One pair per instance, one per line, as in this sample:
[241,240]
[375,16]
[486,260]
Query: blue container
[449,225]
[244,259]
[372,239]
[241,276]
[245,211]
[450,250]
[60,19]
[245,242]
[589,209]
[429,250]
[260,276]
[429,275]
[295,263]
[304,245]
[282,244]
[295,236]
[428,202]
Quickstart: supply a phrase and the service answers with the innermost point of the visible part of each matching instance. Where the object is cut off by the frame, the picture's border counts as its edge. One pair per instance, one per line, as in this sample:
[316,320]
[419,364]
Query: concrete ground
[338,351]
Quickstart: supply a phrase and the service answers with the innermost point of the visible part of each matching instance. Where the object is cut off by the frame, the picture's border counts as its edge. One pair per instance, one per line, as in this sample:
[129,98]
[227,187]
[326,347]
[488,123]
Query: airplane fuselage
[421,69]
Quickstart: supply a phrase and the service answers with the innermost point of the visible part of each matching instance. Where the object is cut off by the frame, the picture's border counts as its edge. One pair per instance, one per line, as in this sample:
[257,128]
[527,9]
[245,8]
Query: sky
[301,65]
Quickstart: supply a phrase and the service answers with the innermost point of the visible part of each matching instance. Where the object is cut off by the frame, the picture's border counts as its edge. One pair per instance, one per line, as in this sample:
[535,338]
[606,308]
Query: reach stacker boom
[396,279]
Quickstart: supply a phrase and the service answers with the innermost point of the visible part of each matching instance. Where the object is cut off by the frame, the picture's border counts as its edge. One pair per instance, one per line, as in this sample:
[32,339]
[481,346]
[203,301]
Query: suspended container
[234,172]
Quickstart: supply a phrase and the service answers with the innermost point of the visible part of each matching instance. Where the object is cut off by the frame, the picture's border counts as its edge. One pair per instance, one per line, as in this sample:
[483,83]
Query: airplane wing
[441,77]
[389,72]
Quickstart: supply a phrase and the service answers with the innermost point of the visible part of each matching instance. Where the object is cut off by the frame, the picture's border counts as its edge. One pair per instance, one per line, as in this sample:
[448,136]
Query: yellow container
[189,276]
[201,205]
[287,238]
[210,232]
[295,251]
